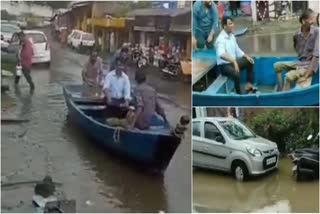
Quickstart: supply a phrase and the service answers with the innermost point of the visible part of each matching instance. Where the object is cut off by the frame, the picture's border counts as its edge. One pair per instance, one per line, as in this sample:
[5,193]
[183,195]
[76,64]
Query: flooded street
[271,44]
[275,192]
[51,144]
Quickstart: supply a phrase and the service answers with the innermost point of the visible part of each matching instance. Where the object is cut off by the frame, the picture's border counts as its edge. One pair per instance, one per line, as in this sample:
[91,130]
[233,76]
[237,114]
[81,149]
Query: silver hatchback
[227,144]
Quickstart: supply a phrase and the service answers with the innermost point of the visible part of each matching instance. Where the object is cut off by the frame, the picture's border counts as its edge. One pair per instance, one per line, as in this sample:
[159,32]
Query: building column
[254,10]
[201,112]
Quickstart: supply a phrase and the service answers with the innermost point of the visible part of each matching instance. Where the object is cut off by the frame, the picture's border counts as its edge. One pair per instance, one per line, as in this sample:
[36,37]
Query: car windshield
[236,130]
[9,28]
[36,38]
[87,36]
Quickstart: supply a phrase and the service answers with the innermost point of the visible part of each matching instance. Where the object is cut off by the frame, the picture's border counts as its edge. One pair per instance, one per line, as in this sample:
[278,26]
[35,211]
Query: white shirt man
[117,86]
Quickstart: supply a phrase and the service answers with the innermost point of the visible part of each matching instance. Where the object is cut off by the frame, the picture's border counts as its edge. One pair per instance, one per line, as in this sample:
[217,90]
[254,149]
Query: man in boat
[117,89]
[123,54]
[231,59]
[205,18]
[92,74]
[147,104]
[306,44]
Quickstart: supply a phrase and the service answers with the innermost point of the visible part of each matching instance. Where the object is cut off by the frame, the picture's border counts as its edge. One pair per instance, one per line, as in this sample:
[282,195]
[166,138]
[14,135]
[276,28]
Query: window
[236,130]
[196,129]
[76,35]
[36,38]
[87,36]
[9,28]
[211,131]
[15,38]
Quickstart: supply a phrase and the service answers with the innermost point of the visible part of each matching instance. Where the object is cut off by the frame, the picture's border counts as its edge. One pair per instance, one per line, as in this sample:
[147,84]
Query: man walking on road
[25,59]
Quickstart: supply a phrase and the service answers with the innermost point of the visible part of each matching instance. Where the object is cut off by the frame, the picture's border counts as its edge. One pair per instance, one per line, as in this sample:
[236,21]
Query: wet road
[50,144]
[274,44]
[275,192]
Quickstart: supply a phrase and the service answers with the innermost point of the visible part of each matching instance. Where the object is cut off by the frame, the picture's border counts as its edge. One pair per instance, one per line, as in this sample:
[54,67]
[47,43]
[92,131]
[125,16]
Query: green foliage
[289,129]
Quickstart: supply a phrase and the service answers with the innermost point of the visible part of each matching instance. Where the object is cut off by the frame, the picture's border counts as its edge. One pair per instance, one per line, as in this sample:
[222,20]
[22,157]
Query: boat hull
[148,150]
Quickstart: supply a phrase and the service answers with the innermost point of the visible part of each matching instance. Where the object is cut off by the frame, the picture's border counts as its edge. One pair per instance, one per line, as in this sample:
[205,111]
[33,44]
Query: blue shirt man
[205,19]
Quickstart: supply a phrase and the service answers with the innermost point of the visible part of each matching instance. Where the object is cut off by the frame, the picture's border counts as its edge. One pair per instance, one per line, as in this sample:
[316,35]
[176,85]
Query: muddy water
[275,192]
[51,144]
[269,44]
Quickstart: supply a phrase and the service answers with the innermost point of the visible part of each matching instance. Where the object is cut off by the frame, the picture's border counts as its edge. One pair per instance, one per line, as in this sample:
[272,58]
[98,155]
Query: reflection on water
[275,192]
[270,44]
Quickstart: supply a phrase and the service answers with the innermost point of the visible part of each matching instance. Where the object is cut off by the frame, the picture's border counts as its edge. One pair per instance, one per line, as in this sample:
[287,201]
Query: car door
[213,146]
[14,44]
[198,159]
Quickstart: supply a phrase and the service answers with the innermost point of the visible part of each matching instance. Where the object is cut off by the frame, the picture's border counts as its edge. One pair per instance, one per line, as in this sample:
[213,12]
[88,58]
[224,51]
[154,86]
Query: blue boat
[149,149]
[221,91]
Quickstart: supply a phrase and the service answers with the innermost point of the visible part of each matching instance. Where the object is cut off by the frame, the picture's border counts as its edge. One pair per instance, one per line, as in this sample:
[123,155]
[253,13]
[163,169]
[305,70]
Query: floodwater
[275,44]
[51,144]
[275,192]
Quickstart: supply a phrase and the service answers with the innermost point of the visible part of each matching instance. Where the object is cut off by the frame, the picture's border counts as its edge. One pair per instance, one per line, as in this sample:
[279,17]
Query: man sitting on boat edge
[147,105]
[306,44]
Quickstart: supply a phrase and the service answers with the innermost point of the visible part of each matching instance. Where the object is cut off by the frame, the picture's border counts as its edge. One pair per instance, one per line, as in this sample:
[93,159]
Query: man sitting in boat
[147,104]
[306,44]
[92,74]
[231,59]
[117,90]
[205,23]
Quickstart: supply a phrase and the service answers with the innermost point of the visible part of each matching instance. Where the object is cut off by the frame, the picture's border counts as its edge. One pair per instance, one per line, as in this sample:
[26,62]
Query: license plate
[271,160]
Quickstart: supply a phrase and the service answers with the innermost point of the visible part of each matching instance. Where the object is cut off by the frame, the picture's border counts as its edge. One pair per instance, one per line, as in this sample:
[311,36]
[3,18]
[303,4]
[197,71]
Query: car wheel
[240,171]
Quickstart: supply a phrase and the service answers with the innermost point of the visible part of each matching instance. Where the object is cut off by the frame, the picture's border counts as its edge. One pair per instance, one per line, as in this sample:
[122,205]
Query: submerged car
[227,144]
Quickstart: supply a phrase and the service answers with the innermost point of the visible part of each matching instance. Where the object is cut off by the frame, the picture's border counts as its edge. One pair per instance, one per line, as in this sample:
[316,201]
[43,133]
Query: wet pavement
[51,144]
[275,192]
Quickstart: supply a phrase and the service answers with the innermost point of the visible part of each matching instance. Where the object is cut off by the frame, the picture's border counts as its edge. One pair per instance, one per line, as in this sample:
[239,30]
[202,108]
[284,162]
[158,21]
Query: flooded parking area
[275,192]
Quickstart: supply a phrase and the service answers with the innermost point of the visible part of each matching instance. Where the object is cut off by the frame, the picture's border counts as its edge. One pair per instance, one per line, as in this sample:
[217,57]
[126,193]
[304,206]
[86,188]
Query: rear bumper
[41,58]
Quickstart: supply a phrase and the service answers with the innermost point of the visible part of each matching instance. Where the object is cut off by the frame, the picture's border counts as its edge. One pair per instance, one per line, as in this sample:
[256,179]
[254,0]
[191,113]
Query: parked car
[227,144]
[71,35]
[41,47]
[80,39]
[7,30]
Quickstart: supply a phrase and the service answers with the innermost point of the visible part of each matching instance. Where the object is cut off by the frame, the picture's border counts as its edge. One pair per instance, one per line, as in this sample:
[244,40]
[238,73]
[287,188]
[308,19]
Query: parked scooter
[171,67]
[306,161]
[142,60]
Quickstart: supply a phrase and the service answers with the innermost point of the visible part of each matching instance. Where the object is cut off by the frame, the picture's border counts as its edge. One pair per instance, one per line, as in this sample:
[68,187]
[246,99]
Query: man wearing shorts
[306,44]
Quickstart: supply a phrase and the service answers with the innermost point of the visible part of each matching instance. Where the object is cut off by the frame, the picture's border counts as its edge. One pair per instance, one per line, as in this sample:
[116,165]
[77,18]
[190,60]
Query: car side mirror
[220,139]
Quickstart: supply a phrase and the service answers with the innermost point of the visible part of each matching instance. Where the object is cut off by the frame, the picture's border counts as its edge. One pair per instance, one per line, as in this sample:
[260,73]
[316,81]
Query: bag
[18,70]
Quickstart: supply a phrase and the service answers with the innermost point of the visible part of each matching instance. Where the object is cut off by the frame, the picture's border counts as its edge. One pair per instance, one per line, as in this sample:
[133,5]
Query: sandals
[251,90]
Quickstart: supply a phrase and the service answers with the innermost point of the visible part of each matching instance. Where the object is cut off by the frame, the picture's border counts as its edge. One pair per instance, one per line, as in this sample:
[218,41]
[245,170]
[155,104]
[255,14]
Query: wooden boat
[221,91]
[151,149]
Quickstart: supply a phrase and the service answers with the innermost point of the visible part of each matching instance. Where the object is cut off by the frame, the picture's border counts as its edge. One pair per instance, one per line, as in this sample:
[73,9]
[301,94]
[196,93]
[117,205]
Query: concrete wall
[21,7]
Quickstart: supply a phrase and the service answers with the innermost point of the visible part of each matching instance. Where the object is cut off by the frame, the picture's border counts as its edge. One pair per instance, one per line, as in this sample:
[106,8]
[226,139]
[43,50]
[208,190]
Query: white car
[40,43]
[7,30]
[79,39]
[227,144]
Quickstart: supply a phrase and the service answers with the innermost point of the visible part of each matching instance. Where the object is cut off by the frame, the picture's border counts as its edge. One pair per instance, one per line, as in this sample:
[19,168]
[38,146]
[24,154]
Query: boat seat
[92,107]
[219,84]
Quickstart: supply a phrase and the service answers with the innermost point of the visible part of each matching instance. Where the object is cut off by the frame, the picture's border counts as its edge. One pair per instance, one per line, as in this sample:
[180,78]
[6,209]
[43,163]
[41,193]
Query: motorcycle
[306,161]
[171,67]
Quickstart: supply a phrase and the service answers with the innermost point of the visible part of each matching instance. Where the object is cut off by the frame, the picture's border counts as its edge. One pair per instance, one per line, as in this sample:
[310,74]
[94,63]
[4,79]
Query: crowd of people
[231,59]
